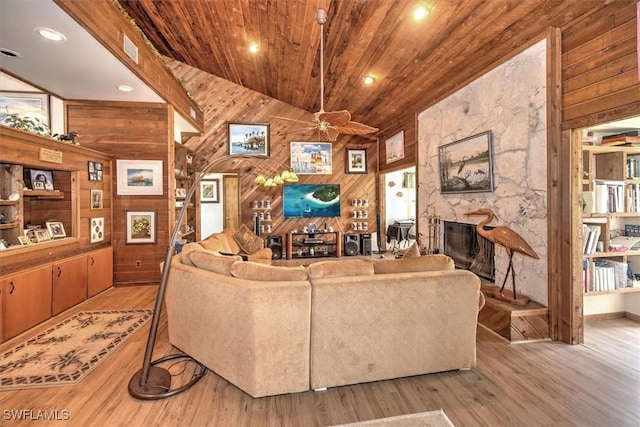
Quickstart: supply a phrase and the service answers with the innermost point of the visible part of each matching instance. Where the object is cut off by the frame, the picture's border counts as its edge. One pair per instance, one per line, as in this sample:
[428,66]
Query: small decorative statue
[70,138]
[512,242]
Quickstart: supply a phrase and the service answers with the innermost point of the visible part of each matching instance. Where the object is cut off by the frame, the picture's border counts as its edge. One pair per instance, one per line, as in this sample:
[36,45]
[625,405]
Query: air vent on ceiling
[9,53]
[130,48]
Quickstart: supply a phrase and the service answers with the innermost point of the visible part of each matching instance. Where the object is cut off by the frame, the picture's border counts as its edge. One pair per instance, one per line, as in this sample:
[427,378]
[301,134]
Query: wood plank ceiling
[415,63]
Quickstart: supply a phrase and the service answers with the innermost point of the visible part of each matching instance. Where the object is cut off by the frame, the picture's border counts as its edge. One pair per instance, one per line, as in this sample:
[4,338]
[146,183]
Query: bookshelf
[611,219]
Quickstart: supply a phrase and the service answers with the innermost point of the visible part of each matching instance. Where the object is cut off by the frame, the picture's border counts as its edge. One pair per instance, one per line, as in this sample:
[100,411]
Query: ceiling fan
[329,124]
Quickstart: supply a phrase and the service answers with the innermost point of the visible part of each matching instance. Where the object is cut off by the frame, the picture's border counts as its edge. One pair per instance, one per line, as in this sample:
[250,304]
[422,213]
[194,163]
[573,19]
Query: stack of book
[591,231]
[604,275]
[609,196]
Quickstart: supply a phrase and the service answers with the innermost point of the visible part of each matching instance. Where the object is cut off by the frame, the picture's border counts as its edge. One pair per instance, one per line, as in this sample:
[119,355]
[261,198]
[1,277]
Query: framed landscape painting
[139,177]
[356,161]
[248,138]
[465,166]
[394,147]
[311,158]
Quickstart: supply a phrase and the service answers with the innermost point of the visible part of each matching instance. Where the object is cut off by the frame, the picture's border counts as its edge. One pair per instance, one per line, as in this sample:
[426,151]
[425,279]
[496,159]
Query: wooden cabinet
[27,300]
[69,283]
[99,271]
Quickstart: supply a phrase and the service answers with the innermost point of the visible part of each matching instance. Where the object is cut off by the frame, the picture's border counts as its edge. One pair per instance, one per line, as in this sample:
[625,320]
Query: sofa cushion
[217,242]
[414,264]
[248,241]
[229,232]
[412,252]
[220,264]
[342,268]
[249,270]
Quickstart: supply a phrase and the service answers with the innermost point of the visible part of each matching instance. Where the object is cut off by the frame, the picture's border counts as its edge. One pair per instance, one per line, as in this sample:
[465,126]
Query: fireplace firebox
[468,250]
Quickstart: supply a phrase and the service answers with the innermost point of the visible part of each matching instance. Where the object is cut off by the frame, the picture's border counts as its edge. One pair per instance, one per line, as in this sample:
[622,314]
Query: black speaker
[275,244]
[256,225]
[351,244]
[365,244]
[378,233]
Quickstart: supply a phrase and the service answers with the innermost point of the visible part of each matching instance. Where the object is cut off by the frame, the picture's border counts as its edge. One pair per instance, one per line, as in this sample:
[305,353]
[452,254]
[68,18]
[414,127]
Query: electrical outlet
[138,263]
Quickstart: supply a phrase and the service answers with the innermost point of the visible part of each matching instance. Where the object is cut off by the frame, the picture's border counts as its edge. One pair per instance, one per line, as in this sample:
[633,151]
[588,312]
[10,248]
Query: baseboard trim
[605,316]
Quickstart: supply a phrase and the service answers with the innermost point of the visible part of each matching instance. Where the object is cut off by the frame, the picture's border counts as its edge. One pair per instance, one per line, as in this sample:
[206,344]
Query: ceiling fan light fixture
[50,34]
[420,12]
[369,79]
[254,48]
[260,179]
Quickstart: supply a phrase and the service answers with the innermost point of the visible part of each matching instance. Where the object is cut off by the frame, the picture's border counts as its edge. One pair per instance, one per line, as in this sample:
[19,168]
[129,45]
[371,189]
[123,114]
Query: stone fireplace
[468,250]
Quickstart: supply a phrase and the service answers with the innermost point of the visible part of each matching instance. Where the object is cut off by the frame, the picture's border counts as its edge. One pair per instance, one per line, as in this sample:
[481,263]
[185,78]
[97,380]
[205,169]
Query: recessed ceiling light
[50,34]
[420,12]
[369,79]
[125,88]
[9,53]
[254,48]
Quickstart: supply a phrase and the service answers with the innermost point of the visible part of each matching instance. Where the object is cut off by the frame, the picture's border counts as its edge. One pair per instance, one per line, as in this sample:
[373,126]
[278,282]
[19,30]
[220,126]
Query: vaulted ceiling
[415,63]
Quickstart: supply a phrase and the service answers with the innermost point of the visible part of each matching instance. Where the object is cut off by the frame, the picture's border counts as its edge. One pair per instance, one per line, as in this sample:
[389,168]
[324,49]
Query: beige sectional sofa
[272,330]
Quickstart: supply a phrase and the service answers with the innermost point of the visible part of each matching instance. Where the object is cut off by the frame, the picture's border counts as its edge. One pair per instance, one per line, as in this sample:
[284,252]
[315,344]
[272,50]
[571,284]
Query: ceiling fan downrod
[321,18]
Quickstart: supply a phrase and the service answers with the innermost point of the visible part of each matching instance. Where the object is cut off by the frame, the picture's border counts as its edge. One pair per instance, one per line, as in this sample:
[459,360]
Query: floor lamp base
[158,384]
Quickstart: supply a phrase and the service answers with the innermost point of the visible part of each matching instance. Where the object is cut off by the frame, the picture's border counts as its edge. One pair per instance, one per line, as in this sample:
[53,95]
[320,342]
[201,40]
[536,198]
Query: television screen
[311,200]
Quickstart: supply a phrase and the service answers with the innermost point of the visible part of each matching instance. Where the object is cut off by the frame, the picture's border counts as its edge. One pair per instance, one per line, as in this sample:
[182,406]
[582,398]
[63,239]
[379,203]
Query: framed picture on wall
[25,105]
[248,138]
[140,227]
[96,230]
[210,191]
[356,161]
[394,147]
[465,166]
[311,158]
[139,177]
[96,199]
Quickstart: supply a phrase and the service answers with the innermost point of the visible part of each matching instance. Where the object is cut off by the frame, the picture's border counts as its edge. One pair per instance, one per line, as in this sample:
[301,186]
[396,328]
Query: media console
[314,245]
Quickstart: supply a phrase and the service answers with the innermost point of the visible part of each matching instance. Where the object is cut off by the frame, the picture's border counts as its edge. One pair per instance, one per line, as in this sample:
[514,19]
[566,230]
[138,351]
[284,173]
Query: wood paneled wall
[131,131]
[600,67]
[224,101]
[600,84]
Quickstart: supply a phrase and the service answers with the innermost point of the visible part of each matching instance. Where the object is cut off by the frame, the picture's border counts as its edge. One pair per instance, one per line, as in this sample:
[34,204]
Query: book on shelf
[603,275]
[633,198]
[609,196]
[590,237]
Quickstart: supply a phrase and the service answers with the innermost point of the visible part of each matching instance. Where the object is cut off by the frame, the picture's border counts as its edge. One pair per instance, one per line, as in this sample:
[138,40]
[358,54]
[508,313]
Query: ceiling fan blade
[334,118]
[355,128]
[305,129]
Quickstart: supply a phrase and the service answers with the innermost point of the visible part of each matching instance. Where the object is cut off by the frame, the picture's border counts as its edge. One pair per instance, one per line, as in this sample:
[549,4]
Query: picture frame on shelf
[42,235]
[25,105]
[96,230]
[41,179]
[466,165]
[24,240]
[394,147]
[210,191]
[248,139]
[311,158]
[139,177]
[141,227]
[96,199]
[356,161]
[56,229]
[30,233]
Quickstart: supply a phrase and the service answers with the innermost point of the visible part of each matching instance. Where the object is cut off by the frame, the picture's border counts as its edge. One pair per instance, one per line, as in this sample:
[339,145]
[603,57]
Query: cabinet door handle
[93,261]
[59,271]
[13,287]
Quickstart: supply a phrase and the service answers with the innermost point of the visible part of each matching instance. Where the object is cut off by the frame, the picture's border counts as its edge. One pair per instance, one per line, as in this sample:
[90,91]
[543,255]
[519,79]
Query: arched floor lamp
[153,382]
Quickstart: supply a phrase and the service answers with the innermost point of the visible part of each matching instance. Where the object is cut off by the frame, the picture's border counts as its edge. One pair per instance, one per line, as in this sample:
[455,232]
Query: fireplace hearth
[468,250]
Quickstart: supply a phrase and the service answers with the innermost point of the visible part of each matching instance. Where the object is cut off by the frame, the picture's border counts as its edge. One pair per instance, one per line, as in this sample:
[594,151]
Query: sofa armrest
[254,334]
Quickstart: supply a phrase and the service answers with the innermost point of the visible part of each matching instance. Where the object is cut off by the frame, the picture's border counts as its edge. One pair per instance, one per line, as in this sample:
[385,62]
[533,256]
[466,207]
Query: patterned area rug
[67,352]
[423,419]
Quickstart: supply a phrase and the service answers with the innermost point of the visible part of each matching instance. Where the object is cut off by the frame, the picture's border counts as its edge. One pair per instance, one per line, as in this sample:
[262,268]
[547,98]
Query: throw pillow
[216,263]
[412,252]
[415,264]
[229,232]
[343,268]
[250,270]
[248,241]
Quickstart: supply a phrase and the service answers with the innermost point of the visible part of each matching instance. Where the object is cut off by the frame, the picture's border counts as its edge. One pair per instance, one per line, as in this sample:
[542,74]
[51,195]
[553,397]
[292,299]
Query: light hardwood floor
[534,384]
[618,339]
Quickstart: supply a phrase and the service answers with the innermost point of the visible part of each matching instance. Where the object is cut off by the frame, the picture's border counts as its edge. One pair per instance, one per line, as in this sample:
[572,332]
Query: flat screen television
[311,200]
